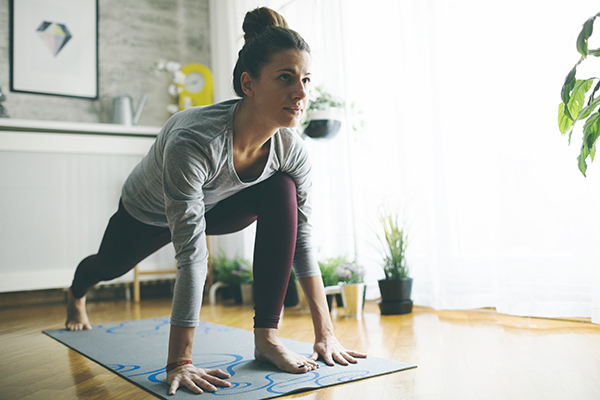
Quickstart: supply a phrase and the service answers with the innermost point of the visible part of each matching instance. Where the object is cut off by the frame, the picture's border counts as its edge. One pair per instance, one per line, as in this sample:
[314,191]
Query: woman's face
[281,92]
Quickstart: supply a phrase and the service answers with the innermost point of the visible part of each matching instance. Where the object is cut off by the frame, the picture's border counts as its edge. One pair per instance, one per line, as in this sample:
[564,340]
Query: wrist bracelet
[172,366]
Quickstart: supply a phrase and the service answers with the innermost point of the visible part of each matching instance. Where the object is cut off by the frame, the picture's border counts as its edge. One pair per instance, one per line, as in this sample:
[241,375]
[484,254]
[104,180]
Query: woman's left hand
[332,351]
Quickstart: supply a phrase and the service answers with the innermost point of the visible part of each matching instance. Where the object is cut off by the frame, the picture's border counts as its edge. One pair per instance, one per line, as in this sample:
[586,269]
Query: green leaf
[582,164]
[594,92]
[569,84]
[595,52]
[564,123]
[577,98]
[585,151]
[582,39]
[583,114]
[591,130]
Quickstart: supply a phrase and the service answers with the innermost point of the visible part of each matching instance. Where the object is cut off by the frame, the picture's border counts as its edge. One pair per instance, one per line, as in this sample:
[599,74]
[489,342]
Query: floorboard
[476,354]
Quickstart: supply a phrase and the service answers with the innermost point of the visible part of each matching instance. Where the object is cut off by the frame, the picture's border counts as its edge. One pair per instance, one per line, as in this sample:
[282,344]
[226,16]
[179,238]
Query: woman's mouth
[293,110]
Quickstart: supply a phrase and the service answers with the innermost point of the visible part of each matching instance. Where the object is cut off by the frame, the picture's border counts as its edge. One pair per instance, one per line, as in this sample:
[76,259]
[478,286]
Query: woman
[215,170]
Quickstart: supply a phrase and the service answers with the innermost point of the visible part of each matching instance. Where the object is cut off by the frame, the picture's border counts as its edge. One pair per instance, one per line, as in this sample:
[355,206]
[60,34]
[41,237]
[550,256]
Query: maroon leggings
[272,203]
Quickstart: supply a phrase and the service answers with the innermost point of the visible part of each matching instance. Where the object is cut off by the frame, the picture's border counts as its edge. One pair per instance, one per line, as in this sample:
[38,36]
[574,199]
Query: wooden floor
[460,354]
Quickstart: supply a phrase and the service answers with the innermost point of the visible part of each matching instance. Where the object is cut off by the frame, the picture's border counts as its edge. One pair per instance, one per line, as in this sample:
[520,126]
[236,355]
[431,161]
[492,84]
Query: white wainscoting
[57,193]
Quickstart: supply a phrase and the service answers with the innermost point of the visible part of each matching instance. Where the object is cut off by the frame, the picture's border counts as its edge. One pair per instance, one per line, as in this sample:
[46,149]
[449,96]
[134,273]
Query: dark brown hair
[266,33]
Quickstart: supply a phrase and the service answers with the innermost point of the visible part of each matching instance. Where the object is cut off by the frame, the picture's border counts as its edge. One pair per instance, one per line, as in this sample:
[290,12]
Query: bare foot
[77,318]
[268,347]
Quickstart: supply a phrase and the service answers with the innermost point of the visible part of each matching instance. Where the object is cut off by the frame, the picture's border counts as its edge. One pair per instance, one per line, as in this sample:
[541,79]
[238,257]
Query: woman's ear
[247,83]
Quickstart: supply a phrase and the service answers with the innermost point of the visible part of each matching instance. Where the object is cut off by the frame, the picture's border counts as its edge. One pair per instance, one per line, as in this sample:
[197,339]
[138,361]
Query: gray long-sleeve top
[187,171]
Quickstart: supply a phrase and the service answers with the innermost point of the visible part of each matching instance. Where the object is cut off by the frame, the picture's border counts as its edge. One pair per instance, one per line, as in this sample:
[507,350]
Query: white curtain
[460,100]
[333,215]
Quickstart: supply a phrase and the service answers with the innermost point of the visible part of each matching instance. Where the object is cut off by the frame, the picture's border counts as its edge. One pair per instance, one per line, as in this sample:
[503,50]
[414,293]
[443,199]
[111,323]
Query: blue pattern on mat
[124,348]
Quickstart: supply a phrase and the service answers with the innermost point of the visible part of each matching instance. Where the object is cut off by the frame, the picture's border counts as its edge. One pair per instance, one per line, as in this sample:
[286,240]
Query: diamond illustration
[55,35]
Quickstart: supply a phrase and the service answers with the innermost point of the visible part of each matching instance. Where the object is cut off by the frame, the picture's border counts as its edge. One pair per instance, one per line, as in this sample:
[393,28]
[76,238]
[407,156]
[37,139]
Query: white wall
[55,202]
[57,193]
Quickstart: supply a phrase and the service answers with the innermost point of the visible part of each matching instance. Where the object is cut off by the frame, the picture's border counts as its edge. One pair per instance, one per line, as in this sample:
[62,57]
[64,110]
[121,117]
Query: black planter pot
[237,293]
[330,301]
[395,307]
[322,128]
[339,300]
[395,296]
[232,292]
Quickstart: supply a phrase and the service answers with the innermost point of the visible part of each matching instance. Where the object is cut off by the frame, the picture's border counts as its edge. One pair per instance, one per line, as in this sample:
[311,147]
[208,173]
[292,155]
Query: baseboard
[151,289]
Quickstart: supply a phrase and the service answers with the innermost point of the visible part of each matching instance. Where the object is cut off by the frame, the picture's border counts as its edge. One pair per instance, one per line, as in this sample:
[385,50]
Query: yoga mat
[137,351]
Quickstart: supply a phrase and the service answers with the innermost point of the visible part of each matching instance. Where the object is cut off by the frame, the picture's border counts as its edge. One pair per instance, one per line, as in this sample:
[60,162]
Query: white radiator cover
[57,193]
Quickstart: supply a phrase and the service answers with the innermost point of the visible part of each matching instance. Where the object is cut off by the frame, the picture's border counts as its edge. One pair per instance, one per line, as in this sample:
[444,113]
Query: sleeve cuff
[186,323]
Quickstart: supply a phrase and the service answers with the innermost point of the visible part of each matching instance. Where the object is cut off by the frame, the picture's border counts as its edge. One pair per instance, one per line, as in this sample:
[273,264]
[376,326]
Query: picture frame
[54,47]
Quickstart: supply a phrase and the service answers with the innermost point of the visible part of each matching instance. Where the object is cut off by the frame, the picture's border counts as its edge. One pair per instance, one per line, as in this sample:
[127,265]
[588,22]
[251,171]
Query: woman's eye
[306,81]
[284,77]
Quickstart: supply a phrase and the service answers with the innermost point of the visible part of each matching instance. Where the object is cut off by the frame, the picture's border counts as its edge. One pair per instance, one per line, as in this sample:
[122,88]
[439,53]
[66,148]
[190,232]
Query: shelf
[24,125]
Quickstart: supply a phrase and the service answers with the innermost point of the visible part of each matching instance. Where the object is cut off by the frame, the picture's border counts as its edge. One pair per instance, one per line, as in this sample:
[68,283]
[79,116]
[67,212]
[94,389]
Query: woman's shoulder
[290,147]
[204,123]
[289,137]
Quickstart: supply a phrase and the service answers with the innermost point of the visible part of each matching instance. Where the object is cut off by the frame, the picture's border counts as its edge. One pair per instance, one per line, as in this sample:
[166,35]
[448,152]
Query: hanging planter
[323,124]
[324,116]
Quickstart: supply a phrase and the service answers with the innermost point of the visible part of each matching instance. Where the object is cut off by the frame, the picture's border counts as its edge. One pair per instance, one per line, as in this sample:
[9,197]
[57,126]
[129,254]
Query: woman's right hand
[196,379]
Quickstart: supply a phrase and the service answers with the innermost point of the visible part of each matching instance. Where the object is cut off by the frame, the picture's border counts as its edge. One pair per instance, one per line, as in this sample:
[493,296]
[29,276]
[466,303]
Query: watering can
[123,112]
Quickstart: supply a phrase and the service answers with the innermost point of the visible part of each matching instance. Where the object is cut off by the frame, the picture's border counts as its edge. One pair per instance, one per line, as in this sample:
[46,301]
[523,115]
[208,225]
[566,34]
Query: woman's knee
[281,186]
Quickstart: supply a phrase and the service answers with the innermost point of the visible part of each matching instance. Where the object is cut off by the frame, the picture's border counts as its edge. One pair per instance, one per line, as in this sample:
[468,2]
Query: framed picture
[54,47]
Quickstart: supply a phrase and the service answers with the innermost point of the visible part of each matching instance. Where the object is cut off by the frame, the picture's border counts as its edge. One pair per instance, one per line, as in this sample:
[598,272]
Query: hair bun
[259,20]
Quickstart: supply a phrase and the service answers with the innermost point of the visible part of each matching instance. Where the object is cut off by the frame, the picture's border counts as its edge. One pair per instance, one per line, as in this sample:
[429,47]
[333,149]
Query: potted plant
[324,115]
[397,286]
[328,269]
[351,277]
[580,100]
[236,273]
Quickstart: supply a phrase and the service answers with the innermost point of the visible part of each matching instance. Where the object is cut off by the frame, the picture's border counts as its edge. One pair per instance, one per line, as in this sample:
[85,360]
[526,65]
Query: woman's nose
[300,91]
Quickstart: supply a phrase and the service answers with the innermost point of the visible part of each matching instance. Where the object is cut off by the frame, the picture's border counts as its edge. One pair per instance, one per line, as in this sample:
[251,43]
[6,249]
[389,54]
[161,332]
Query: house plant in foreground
[328,267]
[396,287]
[236,273]
[580,100]
[353,289]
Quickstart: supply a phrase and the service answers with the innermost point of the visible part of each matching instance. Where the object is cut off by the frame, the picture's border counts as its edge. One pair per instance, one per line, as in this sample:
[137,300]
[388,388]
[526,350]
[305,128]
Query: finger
[356,354]
[349,358]
[173,387]
[188,383]
[314,356]
[216,381]
[218,373]
[327,358]
[204,384]
[340,359]
[346,356]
